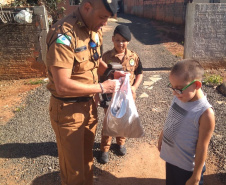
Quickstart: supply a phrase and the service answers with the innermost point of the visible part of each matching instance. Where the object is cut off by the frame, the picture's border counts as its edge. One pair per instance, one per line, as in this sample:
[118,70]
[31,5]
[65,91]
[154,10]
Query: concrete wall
[172,11]
[205,33]
[134,7]
[23,48]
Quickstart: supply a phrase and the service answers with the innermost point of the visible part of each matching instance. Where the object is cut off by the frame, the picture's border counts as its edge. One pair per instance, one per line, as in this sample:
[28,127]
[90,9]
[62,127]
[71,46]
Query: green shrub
[212,80]
[18,109]
[35,82]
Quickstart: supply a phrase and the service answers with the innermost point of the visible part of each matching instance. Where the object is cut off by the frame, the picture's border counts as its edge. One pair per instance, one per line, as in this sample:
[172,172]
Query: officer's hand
[118,74]
[111,86]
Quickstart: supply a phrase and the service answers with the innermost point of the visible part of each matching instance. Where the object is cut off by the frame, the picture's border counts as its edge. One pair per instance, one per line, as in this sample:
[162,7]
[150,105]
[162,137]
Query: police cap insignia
[111,6]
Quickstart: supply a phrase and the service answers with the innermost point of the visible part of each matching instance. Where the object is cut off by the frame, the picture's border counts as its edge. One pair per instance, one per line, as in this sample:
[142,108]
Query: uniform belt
[74,99]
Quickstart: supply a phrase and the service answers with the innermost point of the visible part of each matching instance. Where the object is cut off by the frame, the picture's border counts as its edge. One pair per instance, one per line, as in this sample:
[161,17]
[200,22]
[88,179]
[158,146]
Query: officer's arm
[65,86]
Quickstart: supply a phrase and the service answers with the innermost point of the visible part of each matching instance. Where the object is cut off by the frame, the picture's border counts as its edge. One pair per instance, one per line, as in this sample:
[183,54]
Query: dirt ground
[12,93]
[135,168]
[146,167]
[142,167]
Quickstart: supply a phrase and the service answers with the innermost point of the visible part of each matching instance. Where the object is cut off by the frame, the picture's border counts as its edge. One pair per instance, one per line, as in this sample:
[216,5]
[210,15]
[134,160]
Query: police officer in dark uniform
[74,63]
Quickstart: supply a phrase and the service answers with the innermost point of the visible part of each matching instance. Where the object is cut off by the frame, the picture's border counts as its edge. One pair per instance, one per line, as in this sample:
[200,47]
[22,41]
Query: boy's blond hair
[188,70]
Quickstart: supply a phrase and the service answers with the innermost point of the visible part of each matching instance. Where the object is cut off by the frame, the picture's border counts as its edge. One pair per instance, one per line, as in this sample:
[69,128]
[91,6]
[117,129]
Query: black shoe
[121,150]
[104,158]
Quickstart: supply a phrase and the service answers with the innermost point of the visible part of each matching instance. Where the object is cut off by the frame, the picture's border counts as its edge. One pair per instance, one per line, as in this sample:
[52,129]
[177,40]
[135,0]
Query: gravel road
[28,153]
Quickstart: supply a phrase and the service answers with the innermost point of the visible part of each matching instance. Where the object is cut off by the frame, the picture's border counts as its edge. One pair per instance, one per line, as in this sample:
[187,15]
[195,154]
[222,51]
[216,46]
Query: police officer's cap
[123,31]
[111,6]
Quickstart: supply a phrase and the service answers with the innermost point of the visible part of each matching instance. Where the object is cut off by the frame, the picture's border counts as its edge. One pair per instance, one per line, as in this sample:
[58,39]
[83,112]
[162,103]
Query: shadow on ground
[28,150]
[140,28]
[48,179]
[157,69]
[214,179]
[107,178]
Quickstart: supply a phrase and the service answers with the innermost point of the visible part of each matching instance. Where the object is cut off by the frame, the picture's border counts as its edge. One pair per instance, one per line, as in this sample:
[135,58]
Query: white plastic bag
[122,119]
[23,17]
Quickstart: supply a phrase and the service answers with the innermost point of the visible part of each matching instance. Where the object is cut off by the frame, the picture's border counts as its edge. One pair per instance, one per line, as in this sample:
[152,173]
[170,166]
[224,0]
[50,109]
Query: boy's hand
[133,89]
[192,181]
[160,141]
[118,74]
[159,144]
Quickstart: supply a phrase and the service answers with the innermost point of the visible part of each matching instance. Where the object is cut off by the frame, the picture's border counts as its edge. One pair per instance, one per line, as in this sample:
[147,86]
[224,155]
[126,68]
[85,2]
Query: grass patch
[18,109]
[181,55]
[212,80]
[35,82]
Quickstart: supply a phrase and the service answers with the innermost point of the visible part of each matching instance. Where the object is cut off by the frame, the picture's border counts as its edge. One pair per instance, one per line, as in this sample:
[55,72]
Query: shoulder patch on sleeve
[63,39]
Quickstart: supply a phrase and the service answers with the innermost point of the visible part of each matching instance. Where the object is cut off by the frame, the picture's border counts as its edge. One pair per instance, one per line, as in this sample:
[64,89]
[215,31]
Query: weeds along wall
[23,48]
[172,11]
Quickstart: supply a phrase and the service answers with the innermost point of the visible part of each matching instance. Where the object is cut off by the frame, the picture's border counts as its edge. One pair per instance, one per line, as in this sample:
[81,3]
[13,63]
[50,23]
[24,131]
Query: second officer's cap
[111,6]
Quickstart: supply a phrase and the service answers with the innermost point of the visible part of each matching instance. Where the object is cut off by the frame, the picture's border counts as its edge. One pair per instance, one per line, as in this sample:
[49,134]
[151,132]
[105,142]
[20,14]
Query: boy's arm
[206,128]
[160,141]
[102,67]
[136,84]
[139,75]
[138,80]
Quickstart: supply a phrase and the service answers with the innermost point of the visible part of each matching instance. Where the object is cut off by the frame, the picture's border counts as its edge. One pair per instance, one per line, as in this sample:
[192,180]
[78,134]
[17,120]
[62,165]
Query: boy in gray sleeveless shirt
[190,123]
